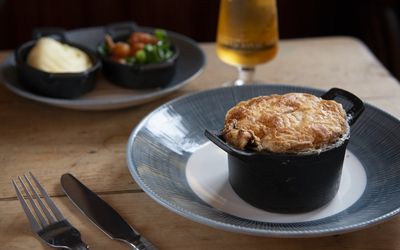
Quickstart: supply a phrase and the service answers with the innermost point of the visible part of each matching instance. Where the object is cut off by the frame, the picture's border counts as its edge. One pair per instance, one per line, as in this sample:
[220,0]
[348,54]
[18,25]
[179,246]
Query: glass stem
[246,75]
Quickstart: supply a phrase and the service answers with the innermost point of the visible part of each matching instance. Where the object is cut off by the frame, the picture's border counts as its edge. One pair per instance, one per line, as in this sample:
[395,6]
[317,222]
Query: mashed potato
[54,57]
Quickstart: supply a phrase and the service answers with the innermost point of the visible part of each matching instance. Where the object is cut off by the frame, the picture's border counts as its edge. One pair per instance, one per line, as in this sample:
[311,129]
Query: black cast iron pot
[144,76]
[58,85]
[289,183]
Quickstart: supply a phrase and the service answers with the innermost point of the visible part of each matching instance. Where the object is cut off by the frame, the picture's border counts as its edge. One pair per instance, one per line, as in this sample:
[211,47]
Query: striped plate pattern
[160,146]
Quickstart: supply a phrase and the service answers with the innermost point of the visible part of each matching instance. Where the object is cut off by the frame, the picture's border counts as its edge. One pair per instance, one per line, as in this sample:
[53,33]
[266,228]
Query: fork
[56,231]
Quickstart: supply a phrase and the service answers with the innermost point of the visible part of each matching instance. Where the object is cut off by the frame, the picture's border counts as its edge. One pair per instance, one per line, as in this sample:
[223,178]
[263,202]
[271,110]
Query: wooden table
[50,141]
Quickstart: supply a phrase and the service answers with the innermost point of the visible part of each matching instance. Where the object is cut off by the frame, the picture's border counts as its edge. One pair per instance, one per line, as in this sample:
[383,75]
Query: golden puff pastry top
[290,123]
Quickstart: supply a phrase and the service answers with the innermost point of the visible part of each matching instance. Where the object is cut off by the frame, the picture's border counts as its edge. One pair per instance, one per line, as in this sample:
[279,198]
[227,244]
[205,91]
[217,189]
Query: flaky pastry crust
[289,123]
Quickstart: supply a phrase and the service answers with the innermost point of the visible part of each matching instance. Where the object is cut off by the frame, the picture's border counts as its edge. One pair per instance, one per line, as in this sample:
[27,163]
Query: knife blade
[101,214]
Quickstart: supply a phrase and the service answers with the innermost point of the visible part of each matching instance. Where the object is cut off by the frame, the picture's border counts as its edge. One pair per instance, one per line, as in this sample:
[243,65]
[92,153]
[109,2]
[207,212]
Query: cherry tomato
[141,37]
[120,50]
[135,47]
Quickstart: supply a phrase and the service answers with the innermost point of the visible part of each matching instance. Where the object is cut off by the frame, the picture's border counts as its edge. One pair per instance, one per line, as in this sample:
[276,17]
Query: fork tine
[49,202]
[50,218]
[35,226]
[42,220]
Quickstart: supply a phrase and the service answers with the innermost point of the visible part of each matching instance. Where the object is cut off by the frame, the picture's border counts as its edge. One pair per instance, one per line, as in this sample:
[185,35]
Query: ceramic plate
[176,165]
[108,96]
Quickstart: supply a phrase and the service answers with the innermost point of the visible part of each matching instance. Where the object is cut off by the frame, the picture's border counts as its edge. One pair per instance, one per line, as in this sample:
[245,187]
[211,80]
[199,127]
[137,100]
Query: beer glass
[247,35]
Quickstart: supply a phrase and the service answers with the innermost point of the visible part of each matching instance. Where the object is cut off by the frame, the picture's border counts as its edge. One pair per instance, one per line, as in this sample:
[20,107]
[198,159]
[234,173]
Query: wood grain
[170,231]
[50,141]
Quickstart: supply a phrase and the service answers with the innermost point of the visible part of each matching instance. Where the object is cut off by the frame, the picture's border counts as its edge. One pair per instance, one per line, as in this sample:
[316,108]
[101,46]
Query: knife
[101,214]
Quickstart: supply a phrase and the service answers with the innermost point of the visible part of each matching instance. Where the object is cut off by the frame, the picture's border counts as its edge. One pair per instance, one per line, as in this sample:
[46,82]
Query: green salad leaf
[103,49]
[151,53]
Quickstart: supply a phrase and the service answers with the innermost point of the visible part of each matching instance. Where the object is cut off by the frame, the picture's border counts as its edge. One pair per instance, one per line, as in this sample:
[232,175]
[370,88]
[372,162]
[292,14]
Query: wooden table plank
[170,231]
[315,62]
[50,141]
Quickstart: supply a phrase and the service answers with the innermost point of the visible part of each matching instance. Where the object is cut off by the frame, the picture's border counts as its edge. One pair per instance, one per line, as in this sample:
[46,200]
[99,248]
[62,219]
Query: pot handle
[357,105]
[49,31]
[215,137]
[121,28]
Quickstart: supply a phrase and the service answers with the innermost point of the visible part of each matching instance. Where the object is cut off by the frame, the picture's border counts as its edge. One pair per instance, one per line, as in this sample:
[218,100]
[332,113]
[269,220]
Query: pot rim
[352,115]
[216,137]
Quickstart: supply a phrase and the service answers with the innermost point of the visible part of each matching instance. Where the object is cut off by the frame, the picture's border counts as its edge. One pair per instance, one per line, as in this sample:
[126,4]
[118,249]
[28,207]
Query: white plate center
[207,175]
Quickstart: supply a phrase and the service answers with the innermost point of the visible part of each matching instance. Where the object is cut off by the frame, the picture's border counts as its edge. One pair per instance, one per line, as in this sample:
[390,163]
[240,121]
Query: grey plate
[107,96]
[160,146]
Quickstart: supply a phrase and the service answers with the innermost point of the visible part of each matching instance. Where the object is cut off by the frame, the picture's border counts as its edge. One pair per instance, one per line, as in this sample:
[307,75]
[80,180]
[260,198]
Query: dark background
[373,21]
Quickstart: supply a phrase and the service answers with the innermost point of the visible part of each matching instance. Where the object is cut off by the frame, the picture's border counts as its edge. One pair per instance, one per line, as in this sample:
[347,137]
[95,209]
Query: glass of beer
[247,35]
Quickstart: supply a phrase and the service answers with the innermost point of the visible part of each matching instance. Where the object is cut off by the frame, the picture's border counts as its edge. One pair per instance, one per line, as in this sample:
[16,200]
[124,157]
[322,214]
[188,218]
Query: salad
[140,48]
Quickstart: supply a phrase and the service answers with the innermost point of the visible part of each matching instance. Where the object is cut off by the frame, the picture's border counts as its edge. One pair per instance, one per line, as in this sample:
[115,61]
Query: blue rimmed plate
[173,162]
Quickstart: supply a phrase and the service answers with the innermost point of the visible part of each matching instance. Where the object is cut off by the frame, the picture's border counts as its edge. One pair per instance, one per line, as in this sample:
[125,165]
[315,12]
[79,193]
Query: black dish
[58,85]
[137,76]
[289,183]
